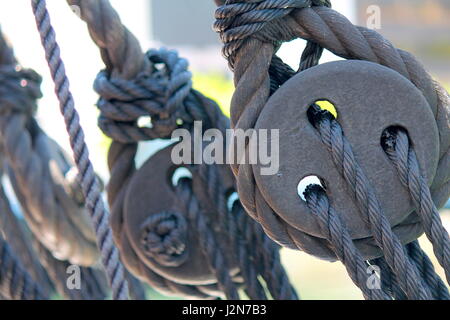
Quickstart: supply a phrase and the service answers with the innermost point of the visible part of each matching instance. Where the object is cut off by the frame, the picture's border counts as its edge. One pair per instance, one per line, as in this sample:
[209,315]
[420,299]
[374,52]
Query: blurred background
[419,26]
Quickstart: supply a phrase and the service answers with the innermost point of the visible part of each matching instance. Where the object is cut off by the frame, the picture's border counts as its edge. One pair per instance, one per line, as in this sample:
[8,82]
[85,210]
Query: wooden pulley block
[160,225]
[368,98]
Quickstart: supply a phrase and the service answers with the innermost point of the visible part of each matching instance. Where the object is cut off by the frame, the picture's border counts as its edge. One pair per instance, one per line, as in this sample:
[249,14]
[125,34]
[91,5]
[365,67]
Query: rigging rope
[406,272]
[401,152]
[252,31]
[89,182]
[15,282]
[132,87]
[34,161]
[340,238]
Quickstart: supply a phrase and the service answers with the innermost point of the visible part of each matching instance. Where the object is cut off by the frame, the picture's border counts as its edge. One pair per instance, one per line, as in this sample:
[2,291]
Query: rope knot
[164,237]
[19,89]
[238,20]
[159,93]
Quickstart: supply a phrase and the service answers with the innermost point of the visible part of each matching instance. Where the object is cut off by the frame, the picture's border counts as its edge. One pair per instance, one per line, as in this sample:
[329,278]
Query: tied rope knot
[160,92]
[238,20]
[19,89]
[164,237]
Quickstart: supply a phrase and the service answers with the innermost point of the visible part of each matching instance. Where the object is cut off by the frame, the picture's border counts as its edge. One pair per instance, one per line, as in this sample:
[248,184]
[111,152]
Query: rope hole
[320,109]
[178,174]
[309,181]
[145,122]
[325,104]
[389,137]
[232,197]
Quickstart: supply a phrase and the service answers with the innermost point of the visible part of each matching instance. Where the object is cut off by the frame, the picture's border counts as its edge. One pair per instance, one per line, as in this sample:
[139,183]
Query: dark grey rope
[89,183]
[389,283]
[213,187]
[38,165]
[341,241]
[341,151]
[19,240]
[15,281]
[257,15]
[210,245]
[401,153]
[264,255]
[426,269]
[165,95]
[93,285]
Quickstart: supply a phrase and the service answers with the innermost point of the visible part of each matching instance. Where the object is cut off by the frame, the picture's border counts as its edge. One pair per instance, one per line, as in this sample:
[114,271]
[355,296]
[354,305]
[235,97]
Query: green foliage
[216,86]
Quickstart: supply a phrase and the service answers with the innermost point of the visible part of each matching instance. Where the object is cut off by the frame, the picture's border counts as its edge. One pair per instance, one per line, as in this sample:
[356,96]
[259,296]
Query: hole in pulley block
[320,109]
[231,196]
[388,137]
[180,173]
[145,122]
[307,182]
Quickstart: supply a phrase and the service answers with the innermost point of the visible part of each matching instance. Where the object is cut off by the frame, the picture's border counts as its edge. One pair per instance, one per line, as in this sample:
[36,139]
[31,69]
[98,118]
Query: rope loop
[162,92]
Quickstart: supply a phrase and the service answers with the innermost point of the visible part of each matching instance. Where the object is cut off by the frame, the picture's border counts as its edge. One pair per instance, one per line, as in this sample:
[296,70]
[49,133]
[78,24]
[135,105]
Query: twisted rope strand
[34,162]
[18,238]
[89,183]
[389,282]
[265,255]
[333,138]
[402,155]
[15,282]
[339,237]
[210,178]
[212,249]
[426,269]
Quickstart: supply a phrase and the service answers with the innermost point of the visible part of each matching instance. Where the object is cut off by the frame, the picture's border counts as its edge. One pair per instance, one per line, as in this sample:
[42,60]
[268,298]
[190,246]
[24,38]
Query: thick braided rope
[26,150]
[339,237]
[89,183]
[55,269]
[212,248]
[332,31]
[401,153]
[257,14]
[343,157]
[66,236]
[18,238]
[164,94]
[94,284]
[15,281]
